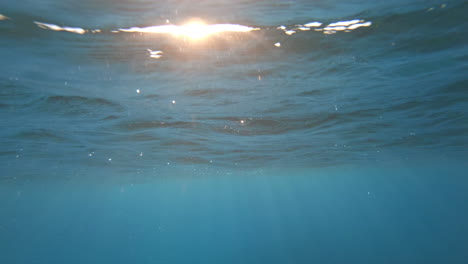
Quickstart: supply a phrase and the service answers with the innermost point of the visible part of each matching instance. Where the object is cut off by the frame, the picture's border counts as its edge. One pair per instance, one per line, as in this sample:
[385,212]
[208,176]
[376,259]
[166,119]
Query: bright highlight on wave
[332,28]
[346,26]
[194,30]
[59,28]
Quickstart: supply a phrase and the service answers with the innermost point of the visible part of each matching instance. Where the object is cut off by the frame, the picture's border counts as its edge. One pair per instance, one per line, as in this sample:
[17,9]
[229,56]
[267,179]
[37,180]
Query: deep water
[311,132]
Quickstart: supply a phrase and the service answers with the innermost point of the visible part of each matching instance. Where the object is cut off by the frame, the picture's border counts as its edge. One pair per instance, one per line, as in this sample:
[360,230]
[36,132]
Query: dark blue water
[299,132]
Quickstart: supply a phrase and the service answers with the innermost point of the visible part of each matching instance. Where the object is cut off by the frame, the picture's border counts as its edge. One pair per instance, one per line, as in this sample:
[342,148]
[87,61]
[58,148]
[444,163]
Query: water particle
[138,90]
[173,101]
[277,44]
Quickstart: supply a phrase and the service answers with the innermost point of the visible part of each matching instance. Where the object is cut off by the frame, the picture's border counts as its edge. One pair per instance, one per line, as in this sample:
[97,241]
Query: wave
[391,86]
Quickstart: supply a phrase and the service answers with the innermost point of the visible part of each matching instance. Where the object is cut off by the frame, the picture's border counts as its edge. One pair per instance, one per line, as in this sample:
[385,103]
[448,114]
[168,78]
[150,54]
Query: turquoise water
[299,132]
[333,215]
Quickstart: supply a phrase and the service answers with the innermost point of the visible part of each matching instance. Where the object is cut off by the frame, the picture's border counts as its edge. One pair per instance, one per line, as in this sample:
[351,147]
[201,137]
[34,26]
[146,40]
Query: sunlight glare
[195,30]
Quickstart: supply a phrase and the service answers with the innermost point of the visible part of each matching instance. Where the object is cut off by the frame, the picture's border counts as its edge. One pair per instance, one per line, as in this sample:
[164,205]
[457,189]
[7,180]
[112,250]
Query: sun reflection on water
[197,29]
[194,30]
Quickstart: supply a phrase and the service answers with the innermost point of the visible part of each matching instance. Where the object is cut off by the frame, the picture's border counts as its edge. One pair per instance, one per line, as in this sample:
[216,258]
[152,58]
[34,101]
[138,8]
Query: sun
[196,30]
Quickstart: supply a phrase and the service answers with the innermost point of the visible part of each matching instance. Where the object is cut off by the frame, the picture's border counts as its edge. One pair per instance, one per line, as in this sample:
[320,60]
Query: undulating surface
[278,131]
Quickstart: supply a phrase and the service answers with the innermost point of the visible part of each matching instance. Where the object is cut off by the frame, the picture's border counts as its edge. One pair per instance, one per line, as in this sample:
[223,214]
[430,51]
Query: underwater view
[281,131]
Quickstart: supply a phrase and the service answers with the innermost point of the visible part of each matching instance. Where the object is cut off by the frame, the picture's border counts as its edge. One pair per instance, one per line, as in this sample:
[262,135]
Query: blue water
[329,132]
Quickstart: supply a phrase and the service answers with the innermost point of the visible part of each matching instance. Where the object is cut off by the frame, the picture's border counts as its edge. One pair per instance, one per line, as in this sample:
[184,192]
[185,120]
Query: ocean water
[277,131]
